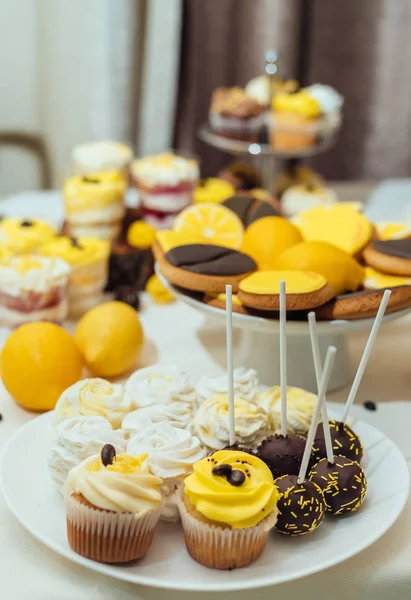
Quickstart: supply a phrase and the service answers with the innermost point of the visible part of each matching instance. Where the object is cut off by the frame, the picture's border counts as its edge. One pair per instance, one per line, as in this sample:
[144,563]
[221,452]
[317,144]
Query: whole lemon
[38,362]
[267,238]
[110,337]
[340,269]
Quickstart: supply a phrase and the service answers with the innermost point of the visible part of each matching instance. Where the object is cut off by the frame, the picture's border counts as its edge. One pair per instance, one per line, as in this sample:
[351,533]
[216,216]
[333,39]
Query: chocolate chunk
[236,477]
[26,223]
[370,405]
[75,243]
[223,470]
[207,259]
[90,180]
[397,248]
[108,454]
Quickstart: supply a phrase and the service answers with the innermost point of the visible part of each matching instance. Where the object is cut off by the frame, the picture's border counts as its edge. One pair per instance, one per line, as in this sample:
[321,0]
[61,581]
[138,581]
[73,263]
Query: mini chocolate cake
[283,455]
[301,506]
[345,442]
[343,483]
[129,267]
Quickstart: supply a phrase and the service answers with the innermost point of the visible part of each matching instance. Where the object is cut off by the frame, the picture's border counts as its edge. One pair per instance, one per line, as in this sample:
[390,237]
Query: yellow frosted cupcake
[227,509]
[88,259]
[113,504]
[23,236]
[295,121]
[94,204]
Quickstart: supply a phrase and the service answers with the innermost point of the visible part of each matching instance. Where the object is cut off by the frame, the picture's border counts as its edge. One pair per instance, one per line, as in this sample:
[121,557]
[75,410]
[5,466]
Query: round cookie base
[364,305]
[213,284]
[271,302]
[392,265]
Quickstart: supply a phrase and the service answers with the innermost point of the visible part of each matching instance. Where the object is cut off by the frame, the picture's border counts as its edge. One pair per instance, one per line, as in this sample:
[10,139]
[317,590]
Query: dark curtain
[362,48]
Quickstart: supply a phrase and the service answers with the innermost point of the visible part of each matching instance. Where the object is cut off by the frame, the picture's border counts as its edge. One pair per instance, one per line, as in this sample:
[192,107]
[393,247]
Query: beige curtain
[362,48]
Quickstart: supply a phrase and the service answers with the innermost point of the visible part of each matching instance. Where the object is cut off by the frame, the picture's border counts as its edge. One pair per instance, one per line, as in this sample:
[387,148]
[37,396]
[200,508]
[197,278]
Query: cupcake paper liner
[107,536]
[224,548]
[236,128]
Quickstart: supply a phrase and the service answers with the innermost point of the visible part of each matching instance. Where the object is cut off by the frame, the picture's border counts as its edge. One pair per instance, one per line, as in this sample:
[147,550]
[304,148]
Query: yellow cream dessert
[295,120]
[106,155]
[113,504]
[228,507]
[33,288]
[166,183]
[24,236]
[94,204]
[88,260]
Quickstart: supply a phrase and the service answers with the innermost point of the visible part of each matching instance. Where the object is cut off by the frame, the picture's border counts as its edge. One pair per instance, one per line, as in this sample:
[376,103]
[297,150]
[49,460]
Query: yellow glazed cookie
[374,280]
[267,238]
[213,190]
[341,270]
[392,231]
[305,290]
[339,224]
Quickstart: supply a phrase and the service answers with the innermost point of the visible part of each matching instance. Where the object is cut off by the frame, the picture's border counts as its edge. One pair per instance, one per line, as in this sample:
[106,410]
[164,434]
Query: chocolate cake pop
[345,441]
[343,483]
[301,506]
[282,454]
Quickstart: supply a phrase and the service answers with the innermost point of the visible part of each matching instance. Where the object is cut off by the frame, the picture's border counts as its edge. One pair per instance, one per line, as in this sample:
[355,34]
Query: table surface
[29,571]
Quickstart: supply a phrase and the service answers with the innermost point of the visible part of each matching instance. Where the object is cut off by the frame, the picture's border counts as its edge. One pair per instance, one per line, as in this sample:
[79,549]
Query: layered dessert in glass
[33,288]
[106,155]
[165,183]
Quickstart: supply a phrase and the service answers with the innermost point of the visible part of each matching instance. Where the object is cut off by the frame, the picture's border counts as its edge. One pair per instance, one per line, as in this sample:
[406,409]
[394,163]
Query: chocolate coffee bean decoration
[222,470]
[108,454]
[236,477]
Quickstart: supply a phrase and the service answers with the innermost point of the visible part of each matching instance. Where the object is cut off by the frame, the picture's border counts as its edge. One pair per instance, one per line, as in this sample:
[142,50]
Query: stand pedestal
[261,351]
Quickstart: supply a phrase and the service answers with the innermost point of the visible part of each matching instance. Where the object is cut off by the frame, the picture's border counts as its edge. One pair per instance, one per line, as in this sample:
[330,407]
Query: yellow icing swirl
[83,251]
[93,191]
[238,506]
[301,103]
[124,486]
[21,236]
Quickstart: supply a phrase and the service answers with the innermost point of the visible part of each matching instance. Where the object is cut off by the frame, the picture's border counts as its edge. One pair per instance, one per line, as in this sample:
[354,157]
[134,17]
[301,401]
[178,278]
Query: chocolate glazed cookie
[391,256]
[205,267]
[249,209]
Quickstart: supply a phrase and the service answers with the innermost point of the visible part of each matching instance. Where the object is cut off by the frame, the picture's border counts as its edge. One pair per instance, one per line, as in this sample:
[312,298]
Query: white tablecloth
[28,571]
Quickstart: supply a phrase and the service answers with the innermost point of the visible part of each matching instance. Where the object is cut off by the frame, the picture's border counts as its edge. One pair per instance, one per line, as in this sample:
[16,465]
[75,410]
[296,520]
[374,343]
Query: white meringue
[78,438]
[171,455]
[177,414]
[159,385]
[211,423]
[93,397]
[300,409]
[246,385]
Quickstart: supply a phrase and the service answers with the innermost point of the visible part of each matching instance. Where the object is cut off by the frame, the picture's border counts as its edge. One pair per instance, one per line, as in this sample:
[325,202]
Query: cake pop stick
[230,372]
[328,365]
[312,323]
[283,359]
[366,355]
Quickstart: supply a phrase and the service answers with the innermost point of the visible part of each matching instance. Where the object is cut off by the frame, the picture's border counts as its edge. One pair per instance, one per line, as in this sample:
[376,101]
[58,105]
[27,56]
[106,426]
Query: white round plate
[32,497]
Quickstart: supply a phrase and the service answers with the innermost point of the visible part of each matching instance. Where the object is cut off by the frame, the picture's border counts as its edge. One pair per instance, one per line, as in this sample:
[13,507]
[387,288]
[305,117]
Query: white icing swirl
[327,97]
[159,385]
[171,455]
[32,274]
[211,423]
[78,438]
[164,169]
[177,414]
[246,385]
[101,156]
[133,491]
[93,397]
[300,409]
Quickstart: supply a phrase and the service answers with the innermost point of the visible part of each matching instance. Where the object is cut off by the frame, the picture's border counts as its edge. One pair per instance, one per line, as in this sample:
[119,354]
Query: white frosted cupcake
[33,288]
[171,455]
[211,423]
[177,414]
[101,156]
[246,385]
[113,504]
[93,397]
[159,385]
[300,409]
[77,439]
[331,103]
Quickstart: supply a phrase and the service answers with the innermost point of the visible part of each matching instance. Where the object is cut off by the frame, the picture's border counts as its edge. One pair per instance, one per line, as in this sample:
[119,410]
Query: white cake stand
[259,343]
